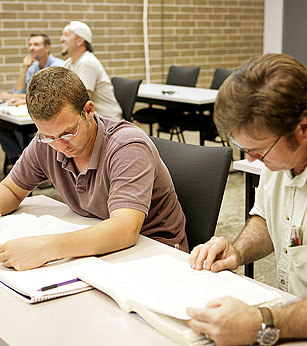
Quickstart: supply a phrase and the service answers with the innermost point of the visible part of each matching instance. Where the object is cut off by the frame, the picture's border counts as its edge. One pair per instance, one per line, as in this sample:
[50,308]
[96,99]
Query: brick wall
[209,33]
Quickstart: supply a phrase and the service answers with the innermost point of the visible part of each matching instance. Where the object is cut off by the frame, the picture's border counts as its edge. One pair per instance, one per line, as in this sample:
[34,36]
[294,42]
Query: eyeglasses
[42,139]
[248,152]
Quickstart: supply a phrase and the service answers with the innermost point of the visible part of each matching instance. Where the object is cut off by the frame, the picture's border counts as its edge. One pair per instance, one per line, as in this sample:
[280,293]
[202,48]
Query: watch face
[269,336]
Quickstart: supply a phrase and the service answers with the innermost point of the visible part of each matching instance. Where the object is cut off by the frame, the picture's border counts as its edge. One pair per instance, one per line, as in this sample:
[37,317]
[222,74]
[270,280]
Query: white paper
[166,285]
[27,225]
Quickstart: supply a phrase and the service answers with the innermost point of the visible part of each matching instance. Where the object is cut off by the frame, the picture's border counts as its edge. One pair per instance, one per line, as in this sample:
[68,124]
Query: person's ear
[89,109]
[302,129]
[80,41]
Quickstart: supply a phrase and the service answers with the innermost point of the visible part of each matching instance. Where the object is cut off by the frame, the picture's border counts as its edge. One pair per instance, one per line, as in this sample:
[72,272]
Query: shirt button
[285,250]
[282,281]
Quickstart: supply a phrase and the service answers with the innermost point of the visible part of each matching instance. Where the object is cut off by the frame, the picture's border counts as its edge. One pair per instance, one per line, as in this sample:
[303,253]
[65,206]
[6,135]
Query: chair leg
[182,136]
[172,134]
[150,130]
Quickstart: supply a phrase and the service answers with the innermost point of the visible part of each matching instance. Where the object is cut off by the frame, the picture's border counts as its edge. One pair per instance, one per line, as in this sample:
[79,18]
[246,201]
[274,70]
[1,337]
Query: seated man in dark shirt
[102,168]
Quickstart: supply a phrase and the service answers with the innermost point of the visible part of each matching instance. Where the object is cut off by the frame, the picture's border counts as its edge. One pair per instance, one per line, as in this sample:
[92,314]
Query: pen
[49,287]
[295,237]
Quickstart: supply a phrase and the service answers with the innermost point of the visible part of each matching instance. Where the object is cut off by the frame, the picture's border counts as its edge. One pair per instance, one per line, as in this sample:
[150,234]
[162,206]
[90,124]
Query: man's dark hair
[53,88]
[268,91]
[44,36]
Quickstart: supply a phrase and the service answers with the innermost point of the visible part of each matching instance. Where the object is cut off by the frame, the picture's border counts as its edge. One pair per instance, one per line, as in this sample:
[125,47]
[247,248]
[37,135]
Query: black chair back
[184,76]
[199,175]
[220,74]
[125,91]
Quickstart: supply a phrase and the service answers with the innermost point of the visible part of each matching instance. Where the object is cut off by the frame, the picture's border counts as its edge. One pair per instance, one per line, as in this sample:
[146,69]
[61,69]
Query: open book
[160,288]
[25,225]
[27,284]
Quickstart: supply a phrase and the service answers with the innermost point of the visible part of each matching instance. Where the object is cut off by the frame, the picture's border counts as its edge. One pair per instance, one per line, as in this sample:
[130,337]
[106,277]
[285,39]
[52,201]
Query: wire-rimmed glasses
[67,137]
[248,152]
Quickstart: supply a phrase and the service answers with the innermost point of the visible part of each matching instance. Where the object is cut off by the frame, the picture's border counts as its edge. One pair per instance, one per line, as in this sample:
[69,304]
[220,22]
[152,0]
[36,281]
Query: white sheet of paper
[26,225]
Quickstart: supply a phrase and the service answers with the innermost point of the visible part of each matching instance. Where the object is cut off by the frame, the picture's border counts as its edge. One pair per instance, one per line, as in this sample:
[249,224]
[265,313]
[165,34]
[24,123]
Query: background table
[174,97]
[89,318]
[165,94]
[24,124]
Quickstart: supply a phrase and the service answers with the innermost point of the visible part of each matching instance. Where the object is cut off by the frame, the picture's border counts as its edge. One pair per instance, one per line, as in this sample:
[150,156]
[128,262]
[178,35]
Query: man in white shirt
[77,46]
[262,109]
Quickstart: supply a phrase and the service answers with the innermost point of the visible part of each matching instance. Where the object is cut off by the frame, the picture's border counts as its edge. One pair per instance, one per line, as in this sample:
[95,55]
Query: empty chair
[125,91]
[199,175]
[199,121]
[177,75]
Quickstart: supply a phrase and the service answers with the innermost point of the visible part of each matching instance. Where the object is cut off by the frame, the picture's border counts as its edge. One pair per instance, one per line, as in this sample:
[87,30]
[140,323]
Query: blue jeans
[12,142]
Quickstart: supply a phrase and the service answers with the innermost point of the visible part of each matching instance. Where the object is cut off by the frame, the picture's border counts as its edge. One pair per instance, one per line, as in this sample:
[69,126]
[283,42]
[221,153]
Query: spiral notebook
[27,284]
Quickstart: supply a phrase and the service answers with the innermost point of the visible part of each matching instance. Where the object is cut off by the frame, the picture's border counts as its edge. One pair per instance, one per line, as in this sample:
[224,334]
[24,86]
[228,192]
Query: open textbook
[160,288]
[27,284]
[26,225]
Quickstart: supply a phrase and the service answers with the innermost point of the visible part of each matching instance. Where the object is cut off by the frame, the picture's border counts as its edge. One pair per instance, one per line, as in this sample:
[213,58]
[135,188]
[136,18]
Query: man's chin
[64,53]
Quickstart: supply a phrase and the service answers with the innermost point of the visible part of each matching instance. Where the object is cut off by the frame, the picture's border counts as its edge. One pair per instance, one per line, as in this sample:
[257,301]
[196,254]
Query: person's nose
[61,144]
[251,158]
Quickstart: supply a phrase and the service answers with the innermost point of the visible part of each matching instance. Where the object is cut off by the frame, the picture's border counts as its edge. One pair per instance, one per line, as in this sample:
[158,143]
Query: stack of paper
[18,111]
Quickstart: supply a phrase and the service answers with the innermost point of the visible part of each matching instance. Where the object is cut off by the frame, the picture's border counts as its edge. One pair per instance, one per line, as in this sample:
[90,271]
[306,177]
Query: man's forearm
[254,242]
[21,81]
[291,320]
[8,200]
[107,236]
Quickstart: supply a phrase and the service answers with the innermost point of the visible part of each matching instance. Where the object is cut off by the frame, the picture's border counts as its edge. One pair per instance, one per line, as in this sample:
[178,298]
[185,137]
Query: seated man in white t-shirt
[76,41]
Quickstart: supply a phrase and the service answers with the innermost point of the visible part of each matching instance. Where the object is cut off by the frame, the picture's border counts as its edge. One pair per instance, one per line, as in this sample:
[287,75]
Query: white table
[16,122]
[179,97]
[254,167]
[15,114]
[89,318]
[175,93]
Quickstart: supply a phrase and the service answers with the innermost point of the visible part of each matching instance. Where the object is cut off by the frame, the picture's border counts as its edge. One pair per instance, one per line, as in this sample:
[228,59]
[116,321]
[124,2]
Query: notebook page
[29,282]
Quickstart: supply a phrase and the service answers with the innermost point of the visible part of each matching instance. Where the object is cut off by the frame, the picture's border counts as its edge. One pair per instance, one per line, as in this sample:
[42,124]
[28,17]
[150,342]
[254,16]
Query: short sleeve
[258,208]
[132,173]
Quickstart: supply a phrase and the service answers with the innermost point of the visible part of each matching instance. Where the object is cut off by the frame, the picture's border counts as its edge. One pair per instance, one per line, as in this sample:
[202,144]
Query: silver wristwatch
[269,334]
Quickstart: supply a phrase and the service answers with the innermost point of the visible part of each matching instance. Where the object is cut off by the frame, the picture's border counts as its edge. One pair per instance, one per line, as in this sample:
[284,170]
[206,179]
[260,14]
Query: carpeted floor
[231,218]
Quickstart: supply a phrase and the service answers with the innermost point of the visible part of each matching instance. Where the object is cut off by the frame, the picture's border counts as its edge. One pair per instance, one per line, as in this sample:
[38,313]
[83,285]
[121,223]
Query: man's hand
[16,101]
[28,61]
[218,253]
[227,321]
[4,96]
[27,253]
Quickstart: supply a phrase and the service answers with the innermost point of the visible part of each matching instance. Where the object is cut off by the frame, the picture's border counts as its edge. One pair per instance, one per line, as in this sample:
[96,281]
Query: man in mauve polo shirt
[101,167]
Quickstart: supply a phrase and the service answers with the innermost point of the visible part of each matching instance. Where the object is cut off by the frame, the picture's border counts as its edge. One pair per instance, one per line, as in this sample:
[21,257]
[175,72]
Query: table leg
[252,181]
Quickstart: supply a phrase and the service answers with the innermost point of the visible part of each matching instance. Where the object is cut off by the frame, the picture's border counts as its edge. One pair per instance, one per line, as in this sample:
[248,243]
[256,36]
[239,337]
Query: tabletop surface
[177,93]
[15,114]
[89,318]
[254,167]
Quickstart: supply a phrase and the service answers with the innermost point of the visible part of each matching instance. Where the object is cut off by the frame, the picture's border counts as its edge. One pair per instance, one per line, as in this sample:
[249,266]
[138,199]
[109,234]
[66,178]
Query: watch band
[267,316]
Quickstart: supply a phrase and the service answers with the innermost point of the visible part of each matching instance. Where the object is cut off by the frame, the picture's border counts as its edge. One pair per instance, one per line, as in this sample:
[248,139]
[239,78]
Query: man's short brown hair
[44,36]
[52,88]
[268,91]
